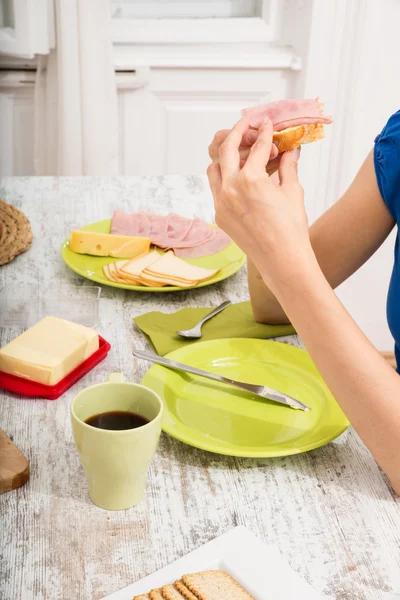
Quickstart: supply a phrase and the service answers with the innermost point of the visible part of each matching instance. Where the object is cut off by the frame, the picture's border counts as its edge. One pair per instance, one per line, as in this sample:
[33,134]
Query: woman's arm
[365,386]
[269,223]
[343,239]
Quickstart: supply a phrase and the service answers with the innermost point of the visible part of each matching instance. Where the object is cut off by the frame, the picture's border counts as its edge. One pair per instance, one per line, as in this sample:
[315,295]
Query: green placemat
[236,321]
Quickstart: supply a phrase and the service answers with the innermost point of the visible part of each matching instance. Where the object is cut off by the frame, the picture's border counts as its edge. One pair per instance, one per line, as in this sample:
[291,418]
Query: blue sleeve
[387,164]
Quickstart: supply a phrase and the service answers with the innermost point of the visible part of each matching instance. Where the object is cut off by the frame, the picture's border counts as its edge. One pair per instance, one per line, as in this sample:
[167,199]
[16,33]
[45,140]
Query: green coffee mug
[116,462]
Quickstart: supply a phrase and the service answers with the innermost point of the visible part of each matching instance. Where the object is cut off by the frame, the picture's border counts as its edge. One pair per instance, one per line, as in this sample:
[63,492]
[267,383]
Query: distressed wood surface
[330,512]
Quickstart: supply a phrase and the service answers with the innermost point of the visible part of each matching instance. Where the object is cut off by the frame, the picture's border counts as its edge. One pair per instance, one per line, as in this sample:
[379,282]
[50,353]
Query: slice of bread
[292,137]
[215,585]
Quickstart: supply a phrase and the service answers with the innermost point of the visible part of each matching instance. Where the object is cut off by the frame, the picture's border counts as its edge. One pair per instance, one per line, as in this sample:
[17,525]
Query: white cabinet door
[167,125]
[16,124]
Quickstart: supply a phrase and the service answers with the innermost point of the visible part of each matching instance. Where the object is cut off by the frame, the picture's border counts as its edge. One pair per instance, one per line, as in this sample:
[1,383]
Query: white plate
[259,569]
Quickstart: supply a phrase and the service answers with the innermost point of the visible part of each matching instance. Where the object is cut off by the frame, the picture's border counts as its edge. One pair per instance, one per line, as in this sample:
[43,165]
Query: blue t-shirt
[387,168]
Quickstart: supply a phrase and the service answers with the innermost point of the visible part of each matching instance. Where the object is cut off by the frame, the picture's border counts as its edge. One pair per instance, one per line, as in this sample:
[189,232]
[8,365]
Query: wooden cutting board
[14,467]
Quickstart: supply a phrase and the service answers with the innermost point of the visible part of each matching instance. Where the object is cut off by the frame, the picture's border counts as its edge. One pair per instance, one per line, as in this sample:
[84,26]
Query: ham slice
[178,227]
[198,232]
[215,243]
[144,224]
[124,224]
[158,230]
[188,238]
[139,223]
[287,113]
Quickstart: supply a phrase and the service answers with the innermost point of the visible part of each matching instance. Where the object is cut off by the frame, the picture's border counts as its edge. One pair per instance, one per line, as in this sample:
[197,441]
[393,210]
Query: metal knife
[259,390]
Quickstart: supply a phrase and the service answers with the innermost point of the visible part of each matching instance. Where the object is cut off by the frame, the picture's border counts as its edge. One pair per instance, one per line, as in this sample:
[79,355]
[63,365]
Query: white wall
[352,61]
[375,94]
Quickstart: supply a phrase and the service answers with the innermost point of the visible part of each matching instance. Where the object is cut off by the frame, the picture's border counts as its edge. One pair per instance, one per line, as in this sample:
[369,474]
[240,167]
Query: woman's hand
[269,223]
[267,220]
[248,139]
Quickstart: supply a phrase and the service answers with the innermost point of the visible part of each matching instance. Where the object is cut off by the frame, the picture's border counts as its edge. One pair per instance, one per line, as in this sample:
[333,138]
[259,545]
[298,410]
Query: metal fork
[195,332]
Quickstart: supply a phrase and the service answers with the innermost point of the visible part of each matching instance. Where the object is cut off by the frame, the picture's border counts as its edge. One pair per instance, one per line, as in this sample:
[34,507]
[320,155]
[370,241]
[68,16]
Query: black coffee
[117,420]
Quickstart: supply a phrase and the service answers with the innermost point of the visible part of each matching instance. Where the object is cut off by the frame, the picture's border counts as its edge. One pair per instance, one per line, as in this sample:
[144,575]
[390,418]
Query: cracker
[215,585]
[169,592]
[187,594]
[156,595]
[141,597]
[15,233]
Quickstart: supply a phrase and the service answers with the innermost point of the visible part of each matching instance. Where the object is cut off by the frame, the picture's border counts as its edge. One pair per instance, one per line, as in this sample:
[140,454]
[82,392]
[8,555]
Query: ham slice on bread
[295,122]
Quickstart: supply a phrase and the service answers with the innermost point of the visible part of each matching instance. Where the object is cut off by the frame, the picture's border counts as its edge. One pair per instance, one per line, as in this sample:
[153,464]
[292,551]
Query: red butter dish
[25,387]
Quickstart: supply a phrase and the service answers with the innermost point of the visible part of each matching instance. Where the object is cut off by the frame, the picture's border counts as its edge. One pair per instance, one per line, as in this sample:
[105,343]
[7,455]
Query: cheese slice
[172,267]
[107,273]
[49,350]
[119,264]
[155,270]
[166,280]
[117,268]
[106,244]
[111,273]
[135,267]
[116,273]
[150,282]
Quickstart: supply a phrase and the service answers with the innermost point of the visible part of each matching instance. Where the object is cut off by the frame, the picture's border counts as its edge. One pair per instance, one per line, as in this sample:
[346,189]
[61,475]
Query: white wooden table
[330,512]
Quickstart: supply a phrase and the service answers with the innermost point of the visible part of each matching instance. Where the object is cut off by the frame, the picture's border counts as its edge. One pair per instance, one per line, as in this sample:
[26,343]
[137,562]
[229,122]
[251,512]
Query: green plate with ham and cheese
[228,261]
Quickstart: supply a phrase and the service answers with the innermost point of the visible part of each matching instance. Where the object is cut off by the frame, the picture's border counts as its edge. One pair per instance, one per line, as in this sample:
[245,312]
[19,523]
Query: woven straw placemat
[15,233]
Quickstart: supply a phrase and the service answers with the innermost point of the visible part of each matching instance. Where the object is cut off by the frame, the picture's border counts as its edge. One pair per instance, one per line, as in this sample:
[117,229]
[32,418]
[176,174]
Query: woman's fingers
[274,152]
[221,136]
[243,151]
[229,155]
[248,140]
[273,164]
[288,167]
[250,137]
[274,178]
[218,139]
[261,150]
[214,178]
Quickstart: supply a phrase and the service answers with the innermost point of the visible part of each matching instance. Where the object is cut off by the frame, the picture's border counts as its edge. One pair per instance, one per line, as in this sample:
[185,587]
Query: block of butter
[49,350]
[106,244]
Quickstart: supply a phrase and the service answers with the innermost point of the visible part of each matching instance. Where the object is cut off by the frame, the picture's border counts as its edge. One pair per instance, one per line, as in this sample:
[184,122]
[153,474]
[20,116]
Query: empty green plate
[221,419]
[228,261]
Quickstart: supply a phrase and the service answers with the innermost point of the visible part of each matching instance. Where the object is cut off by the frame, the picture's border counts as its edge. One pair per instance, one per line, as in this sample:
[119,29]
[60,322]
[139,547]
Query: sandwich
[295,122]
